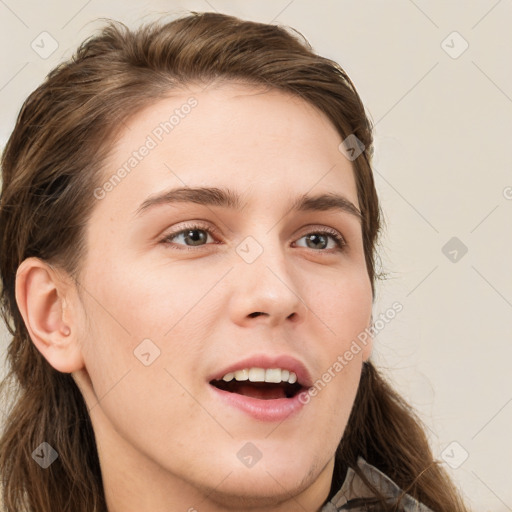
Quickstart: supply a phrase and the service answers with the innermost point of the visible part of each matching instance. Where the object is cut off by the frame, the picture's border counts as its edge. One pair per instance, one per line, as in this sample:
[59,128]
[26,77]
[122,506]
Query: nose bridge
[265,281]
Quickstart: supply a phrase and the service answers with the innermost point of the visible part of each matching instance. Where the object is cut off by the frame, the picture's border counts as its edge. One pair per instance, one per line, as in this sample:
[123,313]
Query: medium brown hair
[51,165]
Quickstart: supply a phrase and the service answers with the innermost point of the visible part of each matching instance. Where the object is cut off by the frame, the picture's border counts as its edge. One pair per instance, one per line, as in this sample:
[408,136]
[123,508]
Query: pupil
[315,237]
[196,239]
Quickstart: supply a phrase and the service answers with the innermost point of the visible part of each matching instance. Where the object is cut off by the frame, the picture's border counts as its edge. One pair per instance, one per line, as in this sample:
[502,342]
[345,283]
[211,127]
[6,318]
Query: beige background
[443,117]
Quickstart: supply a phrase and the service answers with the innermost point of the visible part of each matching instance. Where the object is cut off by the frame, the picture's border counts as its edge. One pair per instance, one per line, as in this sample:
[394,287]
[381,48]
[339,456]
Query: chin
[259,488]
[271,478]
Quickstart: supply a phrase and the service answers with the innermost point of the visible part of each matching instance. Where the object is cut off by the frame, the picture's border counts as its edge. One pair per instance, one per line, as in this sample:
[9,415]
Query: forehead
[247,137]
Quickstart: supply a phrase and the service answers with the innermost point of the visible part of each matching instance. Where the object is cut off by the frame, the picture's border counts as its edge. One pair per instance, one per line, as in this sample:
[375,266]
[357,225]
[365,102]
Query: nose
[267,290]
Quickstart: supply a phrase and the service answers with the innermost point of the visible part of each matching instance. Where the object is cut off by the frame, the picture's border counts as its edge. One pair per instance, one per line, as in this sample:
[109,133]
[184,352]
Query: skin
[165,442]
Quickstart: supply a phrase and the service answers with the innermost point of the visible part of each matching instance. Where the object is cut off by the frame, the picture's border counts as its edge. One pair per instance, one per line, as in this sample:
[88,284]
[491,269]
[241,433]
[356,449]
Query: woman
[188,225]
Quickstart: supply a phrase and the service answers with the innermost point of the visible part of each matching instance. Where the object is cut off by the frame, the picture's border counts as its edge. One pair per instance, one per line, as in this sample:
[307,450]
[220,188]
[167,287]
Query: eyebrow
[228,198]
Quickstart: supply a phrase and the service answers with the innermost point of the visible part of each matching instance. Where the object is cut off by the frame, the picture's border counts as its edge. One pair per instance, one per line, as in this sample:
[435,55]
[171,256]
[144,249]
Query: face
[178,293]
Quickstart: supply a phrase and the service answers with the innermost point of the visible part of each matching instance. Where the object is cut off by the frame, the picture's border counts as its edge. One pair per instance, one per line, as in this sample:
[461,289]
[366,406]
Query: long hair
[50,167]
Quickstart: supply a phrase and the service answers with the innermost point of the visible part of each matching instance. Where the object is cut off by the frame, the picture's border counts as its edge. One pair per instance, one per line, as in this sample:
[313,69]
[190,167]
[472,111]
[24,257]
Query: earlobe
[41,298]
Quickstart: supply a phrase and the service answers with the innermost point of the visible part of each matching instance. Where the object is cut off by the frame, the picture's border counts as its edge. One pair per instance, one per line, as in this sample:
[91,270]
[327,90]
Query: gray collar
[354,489]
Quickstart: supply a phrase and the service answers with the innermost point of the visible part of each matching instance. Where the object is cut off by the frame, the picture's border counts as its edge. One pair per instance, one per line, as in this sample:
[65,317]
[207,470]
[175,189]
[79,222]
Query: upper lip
[285,362]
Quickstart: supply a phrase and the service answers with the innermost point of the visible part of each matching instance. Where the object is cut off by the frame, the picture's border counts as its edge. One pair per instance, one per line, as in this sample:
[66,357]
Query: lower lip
[277,409]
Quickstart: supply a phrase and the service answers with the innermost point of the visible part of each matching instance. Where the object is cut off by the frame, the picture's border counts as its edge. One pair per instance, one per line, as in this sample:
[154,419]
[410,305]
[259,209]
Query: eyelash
[167,240]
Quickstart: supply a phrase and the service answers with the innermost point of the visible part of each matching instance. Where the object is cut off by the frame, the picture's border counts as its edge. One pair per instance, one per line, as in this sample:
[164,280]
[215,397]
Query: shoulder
[354,493]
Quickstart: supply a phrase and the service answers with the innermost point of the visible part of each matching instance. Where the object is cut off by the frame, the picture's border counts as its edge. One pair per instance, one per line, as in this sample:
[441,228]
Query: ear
[44,296]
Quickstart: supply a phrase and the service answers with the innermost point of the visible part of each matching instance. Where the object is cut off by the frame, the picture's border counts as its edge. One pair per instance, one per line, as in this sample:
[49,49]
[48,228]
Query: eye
[193,235]
[319,240]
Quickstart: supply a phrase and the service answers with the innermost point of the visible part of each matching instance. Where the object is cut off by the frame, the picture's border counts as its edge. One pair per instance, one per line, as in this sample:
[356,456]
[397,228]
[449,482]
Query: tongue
[266,392]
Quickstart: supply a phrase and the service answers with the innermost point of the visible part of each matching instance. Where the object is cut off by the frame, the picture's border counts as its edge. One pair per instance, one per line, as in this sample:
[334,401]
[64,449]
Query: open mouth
[261,390]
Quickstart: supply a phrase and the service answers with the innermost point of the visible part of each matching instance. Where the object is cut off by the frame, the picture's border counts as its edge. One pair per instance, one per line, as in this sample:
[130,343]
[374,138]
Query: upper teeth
[262,375]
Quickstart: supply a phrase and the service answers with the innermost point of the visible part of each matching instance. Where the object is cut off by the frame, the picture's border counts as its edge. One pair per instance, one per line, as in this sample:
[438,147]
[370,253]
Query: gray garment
[353,491]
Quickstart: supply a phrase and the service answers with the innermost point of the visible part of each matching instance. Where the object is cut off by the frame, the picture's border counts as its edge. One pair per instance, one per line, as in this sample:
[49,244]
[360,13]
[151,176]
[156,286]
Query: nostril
[256,313]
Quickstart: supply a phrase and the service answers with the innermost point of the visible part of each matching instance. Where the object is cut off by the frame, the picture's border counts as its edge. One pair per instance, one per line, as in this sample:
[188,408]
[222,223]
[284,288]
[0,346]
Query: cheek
[345,310]
[344,304]
[136,303]
[139,346]
[132,313]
